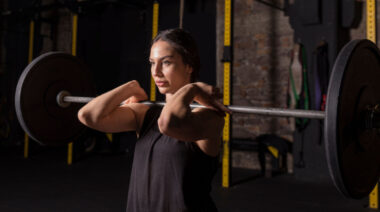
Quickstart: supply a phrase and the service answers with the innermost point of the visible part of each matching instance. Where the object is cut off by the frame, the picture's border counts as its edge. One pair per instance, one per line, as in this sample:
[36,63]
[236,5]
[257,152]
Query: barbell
[53,81]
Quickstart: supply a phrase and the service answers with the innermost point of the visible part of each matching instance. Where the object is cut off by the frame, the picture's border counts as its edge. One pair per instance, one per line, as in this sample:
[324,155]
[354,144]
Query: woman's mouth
[161,83]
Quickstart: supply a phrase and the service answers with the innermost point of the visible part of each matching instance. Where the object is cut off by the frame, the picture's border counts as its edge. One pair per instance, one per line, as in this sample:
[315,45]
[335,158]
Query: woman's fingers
[223,108]
[209,96]
[220,107]
[213,103]
[142,95]
[138,97]
[130,100]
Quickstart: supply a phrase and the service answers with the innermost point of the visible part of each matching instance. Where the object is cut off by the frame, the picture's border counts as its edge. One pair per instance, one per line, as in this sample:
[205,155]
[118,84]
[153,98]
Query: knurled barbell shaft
[77,99]
[267,111]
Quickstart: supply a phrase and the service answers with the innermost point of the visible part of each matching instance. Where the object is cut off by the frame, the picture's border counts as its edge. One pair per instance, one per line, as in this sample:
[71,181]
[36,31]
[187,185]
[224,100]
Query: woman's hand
[138,93]
[208,96]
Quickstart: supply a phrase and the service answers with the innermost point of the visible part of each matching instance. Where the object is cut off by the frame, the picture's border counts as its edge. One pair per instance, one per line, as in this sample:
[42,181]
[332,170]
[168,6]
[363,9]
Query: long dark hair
[185,45]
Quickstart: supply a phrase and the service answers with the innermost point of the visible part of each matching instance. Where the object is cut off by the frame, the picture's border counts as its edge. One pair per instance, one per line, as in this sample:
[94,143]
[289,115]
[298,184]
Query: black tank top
[168,174]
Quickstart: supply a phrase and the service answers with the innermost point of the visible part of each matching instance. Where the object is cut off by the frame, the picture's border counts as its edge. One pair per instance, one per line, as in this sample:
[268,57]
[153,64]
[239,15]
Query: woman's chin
[163,90]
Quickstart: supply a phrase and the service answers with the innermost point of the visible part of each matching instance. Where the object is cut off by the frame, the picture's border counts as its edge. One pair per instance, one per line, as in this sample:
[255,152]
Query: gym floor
[99,182]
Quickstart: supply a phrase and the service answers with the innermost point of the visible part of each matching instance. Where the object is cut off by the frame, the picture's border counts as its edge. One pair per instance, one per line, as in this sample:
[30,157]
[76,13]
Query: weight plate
[36,92]
[353,152]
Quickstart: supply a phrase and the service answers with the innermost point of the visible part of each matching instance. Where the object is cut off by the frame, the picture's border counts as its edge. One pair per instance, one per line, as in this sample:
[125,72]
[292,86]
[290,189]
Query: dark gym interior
[317,60]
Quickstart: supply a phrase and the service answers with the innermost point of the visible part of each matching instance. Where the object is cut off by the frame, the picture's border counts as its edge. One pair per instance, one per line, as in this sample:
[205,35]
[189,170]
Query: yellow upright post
[110,137]
[26,146]
[74,53]
[74,34]
[374,198]
[30,58]
[226,164]
[371,20]
[31,41]
[371,35]
[154,33]
[70,153]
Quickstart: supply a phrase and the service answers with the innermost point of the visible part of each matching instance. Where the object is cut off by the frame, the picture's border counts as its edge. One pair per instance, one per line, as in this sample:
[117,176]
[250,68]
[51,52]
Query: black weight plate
[36,92]
[353,152]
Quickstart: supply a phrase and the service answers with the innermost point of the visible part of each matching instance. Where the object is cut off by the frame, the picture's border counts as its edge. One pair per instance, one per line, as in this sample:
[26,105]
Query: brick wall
[262,42]
[59,37]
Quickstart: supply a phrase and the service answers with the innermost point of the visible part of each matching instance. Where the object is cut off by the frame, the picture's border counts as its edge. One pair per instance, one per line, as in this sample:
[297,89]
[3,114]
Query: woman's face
[167,68]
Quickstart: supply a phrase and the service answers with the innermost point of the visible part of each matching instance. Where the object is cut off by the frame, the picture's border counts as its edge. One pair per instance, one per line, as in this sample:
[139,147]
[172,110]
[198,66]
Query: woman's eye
[151,63]
[166,62]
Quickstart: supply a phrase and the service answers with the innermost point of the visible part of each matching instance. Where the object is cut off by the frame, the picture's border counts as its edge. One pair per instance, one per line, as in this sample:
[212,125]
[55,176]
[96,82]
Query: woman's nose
[156,70]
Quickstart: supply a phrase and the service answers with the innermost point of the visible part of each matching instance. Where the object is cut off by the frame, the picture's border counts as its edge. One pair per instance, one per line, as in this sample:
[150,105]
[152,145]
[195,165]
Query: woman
[175,157]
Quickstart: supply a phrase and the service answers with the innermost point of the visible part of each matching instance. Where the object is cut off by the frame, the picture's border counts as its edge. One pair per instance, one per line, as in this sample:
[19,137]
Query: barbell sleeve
[267,111]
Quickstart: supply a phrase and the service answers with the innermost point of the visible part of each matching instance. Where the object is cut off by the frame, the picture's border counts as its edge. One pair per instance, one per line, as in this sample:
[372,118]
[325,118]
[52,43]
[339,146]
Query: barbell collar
[60,99]
[267,111]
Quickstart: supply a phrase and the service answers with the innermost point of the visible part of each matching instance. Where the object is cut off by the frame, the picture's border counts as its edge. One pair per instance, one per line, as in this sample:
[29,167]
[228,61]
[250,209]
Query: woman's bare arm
[104,112]
[179,121]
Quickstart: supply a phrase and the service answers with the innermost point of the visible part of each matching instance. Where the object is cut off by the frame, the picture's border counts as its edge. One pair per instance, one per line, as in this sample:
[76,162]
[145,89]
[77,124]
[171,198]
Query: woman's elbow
[168,125]
[85,117]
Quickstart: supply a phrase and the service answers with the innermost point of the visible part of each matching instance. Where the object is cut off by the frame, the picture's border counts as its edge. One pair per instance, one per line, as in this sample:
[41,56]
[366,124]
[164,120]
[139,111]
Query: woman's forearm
[104,104]
[177,109]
